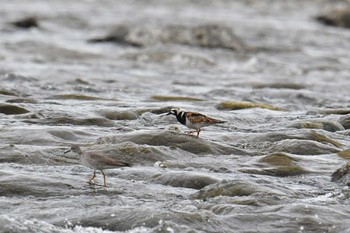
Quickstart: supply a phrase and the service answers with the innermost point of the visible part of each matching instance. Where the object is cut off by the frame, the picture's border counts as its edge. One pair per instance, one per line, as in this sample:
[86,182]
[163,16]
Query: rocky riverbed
[103,75]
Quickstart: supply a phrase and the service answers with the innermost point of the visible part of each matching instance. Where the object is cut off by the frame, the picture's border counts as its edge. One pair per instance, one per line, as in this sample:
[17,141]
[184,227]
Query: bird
[193,120]
[97,161]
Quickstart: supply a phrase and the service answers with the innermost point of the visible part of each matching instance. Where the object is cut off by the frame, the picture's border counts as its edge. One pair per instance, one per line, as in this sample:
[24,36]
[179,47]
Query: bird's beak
[67,151]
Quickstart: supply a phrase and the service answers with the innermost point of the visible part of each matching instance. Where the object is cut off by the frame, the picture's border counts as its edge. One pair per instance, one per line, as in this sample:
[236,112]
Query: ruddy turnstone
[97,161]
[193,120]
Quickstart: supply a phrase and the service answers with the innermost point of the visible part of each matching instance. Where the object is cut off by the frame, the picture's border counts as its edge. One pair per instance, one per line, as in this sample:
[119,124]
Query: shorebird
[193,120]
[97,161]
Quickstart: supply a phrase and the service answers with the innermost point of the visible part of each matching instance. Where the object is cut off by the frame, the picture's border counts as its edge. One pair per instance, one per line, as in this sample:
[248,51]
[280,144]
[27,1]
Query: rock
[342,175]
[175,98]
[169,58]
[226,188]
[278,159]
[121,115]
[342,111]
[303,147]
[173,140]
[76,97]
[22,100]
[103,122]
[294,86]
[207,35]
[12,109]
[28,22]
[7,92]
[121,35]
[184,179]
[331,126]
[345,121]
[234,105]
[337,17]
[345,154]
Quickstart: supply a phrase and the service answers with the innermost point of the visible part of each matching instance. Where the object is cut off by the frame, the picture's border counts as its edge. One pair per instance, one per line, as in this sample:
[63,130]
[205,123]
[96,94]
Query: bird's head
[174,111]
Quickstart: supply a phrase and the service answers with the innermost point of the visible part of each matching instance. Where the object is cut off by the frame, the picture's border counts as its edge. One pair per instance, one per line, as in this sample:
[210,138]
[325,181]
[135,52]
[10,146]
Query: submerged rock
[342,175]
[234,105]
[76,97]
[121,115]
[294,86]
[207,35]
[173,140]
[284,165]
[25,23]
[103,122]
[278,159]
[337,17]
[345,121]
[7,92]
[184,179]
[304,147]
[22,100]
[12,109]
[175,98]
[345,154]
[226,188]
[331,126]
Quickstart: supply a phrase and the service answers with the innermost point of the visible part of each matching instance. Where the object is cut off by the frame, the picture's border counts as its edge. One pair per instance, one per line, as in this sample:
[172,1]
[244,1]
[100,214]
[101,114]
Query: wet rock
[28,22]
[278,159]
[184,179]
[169,58]
[7,92]
[334,111]
[331,126]
[173,140]
[175,98]
[284,165]
[209,36]
[278,171]
[161,110]
[337,17]
[122,34]
[303,147]
[121,115]
[234,105]
[138,154]
[342,175]
[76,97]
[345,121]
[20,185]
[12,109]
[22,100]
[345,154]
[313,135]
[131,114]
[226,188]
[294,86]
[102,122]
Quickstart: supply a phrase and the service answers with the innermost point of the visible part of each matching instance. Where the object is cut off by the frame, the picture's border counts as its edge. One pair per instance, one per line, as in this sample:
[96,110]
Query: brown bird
[97,161]
[193,120]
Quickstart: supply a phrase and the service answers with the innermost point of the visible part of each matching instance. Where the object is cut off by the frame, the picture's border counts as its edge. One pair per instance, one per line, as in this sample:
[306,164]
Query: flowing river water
[103,75]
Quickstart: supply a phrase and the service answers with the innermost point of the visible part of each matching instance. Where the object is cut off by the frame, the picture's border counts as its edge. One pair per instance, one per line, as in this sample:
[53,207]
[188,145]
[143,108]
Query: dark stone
[26,23]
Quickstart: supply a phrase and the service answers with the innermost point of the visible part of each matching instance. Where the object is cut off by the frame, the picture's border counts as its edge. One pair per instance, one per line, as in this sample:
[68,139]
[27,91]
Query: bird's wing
[104,160]
[196,117]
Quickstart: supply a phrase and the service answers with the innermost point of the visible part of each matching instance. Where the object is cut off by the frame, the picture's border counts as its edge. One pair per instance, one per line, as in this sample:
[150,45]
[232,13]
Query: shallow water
[267,169]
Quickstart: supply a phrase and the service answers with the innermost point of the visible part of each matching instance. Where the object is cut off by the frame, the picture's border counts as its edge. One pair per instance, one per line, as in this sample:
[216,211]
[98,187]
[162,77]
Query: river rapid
[103,75]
